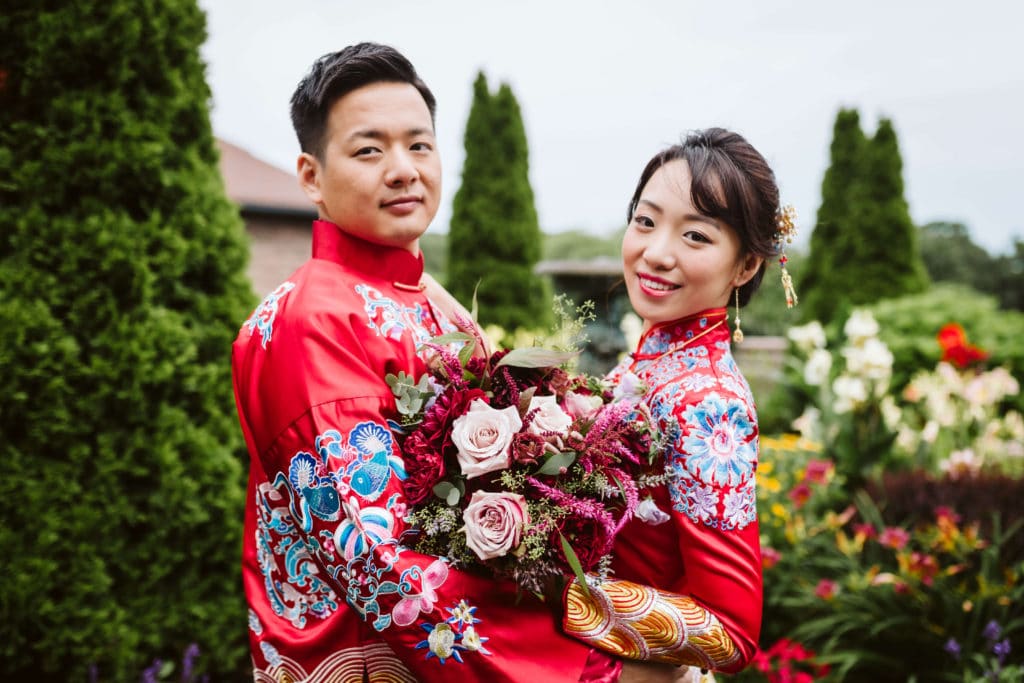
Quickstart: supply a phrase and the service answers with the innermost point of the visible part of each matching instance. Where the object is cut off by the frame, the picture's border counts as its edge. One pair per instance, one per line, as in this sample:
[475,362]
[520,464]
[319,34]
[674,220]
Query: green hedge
[121,288]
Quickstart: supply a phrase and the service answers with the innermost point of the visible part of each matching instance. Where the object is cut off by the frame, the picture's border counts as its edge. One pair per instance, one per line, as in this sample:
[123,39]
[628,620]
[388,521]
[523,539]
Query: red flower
[955,348]
[800,494]
[826,589]
[818,470]
[865,530]
[894,537]
[769,557]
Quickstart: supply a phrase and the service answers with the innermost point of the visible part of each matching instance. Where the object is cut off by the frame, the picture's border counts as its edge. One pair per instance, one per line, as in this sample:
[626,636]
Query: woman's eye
[643,221]
[696,236]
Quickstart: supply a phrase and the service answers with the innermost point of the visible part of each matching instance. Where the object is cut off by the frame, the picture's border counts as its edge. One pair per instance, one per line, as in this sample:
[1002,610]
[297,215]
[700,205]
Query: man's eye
[421,147]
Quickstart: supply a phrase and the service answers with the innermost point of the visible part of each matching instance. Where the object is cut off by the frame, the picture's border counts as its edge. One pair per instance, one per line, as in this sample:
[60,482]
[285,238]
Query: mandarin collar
[393,264]
[709,325]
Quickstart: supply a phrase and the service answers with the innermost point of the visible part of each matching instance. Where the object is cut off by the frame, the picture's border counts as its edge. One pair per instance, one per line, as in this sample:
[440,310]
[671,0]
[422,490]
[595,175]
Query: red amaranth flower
[826,589]
[818,470]
[800,494]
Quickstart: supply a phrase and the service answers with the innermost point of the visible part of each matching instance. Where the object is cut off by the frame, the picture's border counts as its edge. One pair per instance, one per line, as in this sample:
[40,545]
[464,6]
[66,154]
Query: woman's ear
[307,167]
[748,267]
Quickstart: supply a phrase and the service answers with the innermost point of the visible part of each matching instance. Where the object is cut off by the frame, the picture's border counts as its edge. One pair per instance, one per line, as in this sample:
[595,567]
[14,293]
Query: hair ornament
[785,221]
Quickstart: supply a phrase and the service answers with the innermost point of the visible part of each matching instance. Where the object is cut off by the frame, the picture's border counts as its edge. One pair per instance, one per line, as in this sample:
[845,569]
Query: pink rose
[482,436]
[548,417]
[494,523]
[582,406]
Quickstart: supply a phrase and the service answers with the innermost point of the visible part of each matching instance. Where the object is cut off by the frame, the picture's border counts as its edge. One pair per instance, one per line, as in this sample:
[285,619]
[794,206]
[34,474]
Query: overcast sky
[604,85]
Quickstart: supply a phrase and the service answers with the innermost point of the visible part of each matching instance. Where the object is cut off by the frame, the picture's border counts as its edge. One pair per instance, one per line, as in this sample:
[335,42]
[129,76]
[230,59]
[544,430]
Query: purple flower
[953,648]
[188,662]
[1001,649]
[150,674]
[992,631]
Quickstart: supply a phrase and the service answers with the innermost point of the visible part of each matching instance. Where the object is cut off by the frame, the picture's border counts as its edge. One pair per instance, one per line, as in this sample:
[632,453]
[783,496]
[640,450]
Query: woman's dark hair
[731,182]
[338,73]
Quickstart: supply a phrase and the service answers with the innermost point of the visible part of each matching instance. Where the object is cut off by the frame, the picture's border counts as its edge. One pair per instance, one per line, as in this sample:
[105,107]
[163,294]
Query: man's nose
[401,170]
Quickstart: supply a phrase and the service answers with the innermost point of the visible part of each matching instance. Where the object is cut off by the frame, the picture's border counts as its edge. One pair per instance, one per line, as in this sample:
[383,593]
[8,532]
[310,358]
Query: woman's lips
[655,286]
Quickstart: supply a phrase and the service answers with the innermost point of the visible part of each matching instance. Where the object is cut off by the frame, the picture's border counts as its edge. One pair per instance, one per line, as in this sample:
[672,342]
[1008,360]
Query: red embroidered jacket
[332,591]
[687,570]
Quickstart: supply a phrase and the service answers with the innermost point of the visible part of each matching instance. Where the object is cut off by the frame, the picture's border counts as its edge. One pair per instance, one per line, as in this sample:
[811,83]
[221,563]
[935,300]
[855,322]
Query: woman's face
[676,261]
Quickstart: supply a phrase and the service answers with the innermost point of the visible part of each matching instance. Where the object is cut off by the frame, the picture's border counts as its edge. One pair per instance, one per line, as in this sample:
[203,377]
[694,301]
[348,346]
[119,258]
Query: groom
[332,593]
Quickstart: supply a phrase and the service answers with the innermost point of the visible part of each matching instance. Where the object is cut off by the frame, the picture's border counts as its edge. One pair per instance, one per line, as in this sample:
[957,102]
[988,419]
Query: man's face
[380,177]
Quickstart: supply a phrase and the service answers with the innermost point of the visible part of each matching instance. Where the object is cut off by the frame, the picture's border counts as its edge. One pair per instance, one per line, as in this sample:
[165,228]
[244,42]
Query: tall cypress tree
[864,246]
[494,236]
[121,288]
[837,190]
[890,252]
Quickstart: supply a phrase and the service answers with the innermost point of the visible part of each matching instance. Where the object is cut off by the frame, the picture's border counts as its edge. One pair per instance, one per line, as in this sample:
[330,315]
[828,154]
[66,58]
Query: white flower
[870,359]
[494,523]
[808,337]
[860,326]
[906,440]
[808,423]
[441,641]
[582,406]
[471,639]
[549,417]
[649,512]
[930,431]
[483,436]
[851,392]
[891,413]
[629,388]
[960,463]
[817,367]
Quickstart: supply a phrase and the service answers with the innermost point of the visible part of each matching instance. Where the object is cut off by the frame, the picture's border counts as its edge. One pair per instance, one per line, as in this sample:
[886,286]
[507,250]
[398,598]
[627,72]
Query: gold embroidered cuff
[640,622]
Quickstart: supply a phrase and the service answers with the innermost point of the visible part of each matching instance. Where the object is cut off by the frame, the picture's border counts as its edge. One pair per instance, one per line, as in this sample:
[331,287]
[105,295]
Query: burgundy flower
[425,449]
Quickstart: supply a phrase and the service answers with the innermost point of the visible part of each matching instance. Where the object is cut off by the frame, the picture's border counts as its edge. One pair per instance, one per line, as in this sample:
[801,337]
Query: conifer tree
[864,246]
[837,189]
[122,287]
[494,237]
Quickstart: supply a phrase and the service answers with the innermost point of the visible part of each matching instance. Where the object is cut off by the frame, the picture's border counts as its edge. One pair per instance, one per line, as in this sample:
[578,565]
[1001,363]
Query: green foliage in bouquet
[878,601]
[122,286]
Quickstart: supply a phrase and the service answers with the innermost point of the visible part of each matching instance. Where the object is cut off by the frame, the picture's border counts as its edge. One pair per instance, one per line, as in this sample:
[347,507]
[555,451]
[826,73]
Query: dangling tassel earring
[737,335]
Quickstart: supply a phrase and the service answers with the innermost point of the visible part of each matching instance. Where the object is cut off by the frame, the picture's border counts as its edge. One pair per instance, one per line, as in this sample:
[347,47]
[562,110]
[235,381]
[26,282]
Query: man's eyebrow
[374,134]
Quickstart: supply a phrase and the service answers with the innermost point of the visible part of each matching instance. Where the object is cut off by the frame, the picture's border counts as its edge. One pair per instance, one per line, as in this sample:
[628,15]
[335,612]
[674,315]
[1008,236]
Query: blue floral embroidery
[262,318]
[447,639]
[281,546]
[697,501]
[740,507]
[390,319]
[254,623]
[270,654]
[717,447]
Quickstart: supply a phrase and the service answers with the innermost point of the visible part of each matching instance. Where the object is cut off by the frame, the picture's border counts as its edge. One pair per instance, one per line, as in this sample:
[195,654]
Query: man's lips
[402,205]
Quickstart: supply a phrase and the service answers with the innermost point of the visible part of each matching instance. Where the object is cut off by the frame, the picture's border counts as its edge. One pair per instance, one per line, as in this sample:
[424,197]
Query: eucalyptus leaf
[556,462]
[451,337]
[536,358]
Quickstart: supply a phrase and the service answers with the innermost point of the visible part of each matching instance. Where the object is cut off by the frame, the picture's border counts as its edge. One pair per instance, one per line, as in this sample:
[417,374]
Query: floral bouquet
[514,467]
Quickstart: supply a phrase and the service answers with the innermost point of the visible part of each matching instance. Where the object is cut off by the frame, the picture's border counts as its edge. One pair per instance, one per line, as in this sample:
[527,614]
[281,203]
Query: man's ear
[747,269]
[307,167]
